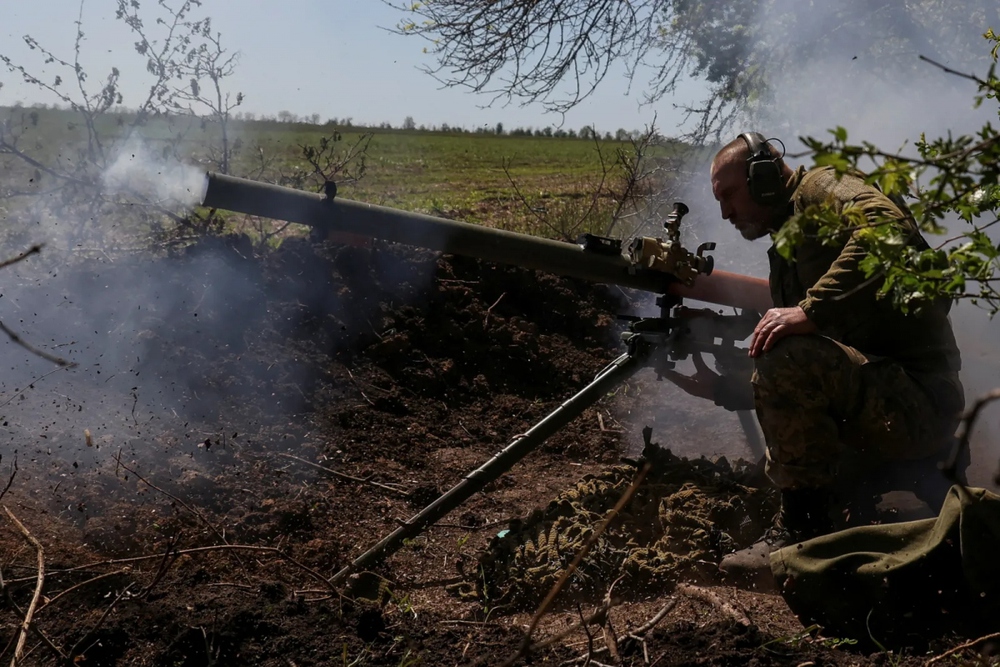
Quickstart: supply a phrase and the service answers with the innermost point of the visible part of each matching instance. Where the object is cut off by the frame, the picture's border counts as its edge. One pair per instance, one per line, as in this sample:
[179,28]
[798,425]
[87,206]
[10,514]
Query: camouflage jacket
[828,284]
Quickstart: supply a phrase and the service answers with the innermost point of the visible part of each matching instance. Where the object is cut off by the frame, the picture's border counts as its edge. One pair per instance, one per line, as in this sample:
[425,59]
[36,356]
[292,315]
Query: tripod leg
[618,371]
[754,440]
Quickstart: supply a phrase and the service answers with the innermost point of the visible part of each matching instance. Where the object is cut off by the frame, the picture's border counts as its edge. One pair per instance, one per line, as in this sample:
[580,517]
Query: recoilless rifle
[659,265]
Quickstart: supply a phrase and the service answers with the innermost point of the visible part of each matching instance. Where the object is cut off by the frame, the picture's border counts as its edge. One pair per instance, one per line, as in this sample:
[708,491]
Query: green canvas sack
[901,584]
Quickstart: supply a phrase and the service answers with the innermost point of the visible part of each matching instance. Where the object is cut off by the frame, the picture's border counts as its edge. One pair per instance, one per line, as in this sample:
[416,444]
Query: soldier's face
[729,185]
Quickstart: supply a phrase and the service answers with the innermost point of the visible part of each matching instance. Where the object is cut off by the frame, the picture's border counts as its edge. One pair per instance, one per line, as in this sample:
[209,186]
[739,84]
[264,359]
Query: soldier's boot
[804,514]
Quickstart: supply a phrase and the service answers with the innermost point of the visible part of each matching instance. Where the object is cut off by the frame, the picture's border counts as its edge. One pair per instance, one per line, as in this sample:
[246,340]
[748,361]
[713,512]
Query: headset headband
[757,145]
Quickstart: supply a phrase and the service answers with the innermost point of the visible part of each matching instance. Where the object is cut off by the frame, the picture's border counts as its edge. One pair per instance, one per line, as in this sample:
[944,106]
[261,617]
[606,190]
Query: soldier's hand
[701,384]
[776,324]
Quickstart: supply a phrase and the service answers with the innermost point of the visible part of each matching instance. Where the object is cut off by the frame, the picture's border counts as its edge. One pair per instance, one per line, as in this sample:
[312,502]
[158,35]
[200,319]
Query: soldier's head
[748,177]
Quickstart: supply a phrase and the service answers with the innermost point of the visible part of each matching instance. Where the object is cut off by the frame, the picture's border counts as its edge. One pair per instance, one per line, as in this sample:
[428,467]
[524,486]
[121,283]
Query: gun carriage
[658,265]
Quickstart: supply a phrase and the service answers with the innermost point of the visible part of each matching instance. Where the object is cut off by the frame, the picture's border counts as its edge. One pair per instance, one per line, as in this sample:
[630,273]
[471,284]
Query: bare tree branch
[557,52]
[62,363]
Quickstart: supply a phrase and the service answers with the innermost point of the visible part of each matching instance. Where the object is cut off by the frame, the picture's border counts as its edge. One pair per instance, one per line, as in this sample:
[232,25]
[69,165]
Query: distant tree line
[409,125]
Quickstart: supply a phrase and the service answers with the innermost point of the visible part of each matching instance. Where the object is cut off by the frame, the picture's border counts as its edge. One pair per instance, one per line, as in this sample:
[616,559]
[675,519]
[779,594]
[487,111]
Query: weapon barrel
[727,289]
[461,238]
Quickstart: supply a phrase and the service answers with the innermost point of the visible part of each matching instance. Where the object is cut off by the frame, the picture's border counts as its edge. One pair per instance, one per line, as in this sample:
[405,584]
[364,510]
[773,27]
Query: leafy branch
[953,180]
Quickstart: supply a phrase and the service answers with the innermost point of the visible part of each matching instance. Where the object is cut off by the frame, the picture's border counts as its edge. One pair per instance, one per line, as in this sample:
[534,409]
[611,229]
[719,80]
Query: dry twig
[201,517]
[959,649]
[950,467]
[526,645]
[63,363]
[590,637]
[48,642]
[197,550]
[10,480]
[459,621]
[610,636]
[485,526]
[30,385]
[639,635]
[169,558]
[358,385]
[51,601]
[76,653]
[605,428]
[708,596]
[335,473]
[597,616]
[489,311]
[40,582]
[33,250]
[242,587]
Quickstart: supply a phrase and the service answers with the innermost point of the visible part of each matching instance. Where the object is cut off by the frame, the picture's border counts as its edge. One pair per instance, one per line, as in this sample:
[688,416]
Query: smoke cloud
[162,181]
[150,334]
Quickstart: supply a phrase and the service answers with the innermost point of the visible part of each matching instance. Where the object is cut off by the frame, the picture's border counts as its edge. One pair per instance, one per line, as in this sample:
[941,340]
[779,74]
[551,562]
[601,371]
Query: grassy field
[458,175]
[540,185]
[566,185]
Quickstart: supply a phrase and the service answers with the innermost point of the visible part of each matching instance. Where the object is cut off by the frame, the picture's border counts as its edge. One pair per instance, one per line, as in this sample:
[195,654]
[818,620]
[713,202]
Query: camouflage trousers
[828,410]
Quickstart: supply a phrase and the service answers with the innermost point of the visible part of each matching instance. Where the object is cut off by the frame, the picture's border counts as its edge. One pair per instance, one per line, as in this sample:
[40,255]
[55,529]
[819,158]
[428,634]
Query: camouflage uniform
[874,385]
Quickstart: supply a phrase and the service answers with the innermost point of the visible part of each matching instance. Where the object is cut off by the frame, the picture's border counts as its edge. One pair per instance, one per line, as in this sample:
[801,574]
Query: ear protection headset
[763,173]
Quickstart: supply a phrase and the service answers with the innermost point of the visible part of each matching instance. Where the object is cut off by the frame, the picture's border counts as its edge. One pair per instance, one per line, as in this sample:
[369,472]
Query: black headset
[763,171]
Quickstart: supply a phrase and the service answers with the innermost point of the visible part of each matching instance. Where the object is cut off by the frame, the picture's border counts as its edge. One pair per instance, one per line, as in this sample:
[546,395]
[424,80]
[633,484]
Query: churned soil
[241,425]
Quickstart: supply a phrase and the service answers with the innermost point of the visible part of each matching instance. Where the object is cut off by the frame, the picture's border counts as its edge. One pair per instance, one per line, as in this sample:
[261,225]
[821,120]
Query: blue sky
[335,58]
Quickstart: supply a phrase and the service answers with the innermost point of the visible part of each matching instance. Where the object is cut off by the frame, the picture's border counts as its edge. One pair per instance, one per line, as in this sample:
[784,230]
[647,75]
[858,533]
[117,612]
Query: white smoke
[162,181]
[113,311]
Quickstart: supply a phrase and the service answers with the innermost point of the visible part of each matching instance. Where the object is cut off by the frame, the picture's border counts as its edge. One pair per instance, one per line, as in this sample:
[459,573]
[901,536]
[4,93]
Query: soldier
[843,383]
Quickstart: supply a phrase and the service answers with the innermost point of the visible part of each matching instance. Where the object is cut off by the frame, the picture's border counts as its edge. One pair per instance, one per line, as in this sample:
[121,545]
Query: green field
[552,186]
[461,175]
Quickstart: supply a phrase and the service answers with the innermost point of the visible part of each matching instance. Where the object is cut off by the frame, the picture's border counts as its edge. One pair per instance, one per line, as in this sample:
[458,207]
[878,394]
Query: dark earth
[241,425]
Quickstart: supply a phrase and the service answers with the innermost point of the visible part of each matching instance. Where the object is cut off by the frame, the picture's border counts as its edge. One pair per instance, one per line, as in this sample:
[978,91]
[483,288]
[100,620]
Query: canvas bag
[900,584]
